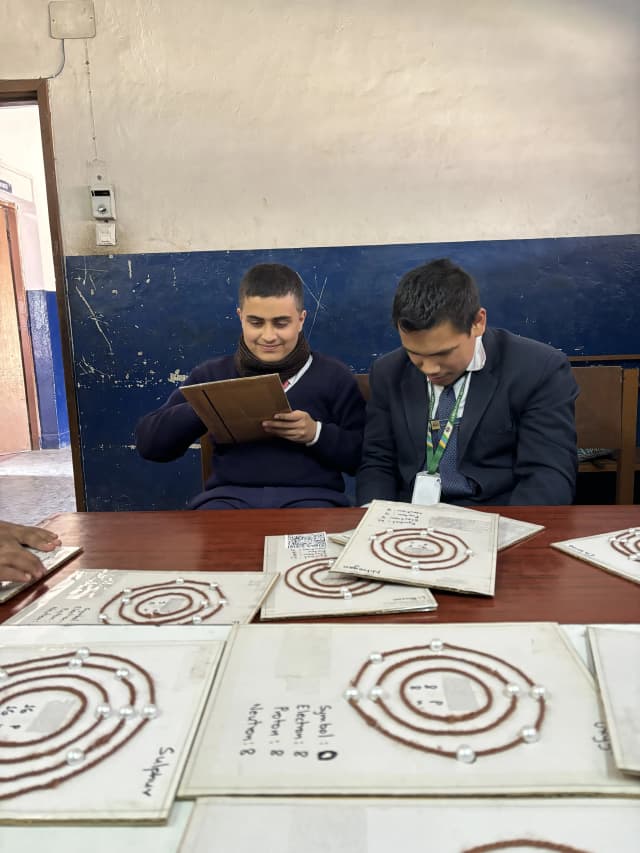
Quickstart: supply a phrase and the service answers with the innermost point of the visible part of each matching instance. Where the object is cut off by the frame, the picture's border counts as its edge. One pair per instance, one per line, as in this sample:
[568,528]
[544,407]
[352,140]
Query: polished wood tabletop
[533,581]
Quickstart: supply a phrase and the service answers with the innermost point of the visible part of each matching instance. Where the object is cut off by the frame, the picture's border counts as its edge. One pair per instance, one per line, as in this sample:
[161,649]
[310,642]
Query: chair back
[599,406]
[206,457]
[606,416]
[363,384]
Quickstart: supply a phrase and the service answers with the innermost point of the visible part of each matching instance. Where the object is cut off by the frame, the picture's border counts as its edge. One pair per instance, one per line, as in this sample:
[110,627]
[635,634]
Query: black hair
[434,293]
[271,280]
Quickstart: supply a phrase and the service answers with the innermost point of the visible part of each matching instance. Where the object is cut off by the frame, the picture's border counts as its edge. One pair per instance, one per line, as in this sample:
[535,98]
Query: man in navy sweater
[301,464]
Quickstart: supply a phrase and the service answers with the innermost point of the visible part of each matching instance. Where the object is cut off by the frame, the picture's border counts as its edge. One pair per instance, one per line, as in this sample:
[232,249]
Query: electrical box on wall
[72,19]
[103,203]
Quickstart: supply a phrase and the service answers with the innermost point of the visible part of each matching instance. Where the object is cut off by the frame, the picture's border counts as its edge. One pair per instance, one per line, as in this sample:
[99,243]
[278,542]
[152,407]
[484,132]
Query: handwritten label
[159,764]
[601,737]
[304,546]
[364,570]
[303,730]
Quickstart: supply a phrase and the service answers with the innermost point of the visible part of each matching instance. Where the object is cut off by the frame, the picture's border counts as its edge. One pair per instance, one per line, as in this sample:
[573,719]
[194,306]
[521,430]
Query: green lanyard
[434,456]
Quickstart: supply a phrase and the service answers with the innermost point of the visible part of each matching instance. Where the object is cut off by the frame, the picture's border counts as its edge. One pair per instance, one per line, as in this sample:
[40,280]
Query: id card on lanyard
[427,488]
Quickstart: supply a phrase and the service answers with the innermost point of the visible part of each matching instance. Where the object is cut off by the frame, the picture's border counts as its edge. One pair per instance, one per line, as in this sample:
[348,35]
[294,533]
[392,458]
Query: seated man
[301,464]
[482,414]
[16,563]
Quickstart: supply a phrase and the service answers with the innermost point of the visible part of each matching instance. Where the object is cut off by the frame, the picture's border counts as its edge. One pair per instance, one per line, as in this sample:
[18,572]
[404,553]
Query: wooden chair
[606,416]
[363,384]
[206,457]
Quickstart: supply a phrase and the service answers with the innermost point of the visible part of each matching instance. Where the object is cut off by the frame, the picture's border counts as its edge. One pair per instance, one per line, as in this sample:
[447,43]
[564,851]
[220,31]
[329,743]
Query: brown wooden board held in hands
[234,409]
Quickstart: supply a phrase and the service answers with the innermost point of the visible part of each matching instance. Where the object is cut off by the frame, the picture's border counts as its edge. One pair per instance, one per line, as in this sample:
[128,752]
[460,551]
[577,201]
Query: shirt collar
[477,362]
[479,358]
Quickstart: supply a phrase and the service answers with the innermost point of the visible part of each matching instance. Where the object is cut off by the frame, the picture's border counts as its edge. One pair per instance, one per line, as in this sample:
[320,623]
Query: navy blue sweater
[328,391]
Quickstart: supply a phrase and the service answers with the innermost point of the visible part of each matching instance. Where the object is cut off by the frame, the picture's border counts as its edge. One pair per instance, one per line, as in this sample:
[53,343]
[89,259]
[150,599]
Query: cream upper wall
[296,123]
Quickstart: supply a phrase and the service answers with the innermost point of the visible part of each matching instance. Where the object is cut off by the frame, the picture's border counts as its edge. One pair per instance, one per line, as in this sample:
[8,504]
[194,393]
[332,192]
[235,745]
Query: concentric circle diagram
[448,700]
[63,714]
[521,845]
[420,550]
[174,602]
[627,543]
[312,579]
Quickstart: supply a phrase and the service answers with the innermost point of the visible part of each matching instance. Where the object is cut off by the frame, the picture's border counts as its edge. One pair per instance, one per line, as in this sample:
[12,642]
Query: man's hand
[16,563]
[295,426]
[32,537]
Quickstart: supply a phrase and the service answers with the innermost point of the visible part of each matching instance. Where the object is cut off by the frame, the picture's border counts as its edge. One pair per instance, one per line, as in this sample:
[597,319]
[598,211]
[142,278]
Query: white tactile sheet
[511,531]
[95,838]
[429,546]
[293,724]
[616,657]
[306,587]
[413,826]
[617,552]
[98,730]
[150,598]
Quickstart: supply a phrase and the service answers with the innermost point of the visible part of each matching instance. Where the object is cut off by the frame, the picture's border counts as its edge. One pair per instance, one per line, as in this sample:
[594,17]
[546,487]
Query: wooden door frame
[22,315]
[36,92]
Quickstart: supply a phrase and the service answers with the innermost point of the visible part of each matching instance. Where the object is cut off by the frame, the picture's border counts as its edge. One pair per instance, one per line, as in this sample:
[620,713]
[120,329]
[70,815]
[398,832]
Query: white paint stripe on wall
[297,123]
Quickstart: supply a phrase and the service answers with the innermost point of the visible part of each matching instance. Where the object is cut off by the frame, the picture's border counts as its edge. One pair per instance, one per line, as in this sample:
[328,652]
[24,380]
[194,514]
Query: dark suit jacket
[517,438]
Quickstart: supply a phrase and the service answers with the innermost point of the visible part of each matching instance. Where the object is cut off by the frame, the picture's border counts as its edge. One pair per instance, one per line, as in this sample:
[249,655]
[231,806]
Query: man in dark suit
[465,413]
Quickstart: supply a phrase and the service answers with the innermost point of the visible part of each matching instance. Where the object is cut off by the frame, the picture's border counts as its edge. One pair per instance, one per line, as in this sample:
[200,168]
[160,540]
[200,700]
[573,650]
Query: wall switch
[106,233]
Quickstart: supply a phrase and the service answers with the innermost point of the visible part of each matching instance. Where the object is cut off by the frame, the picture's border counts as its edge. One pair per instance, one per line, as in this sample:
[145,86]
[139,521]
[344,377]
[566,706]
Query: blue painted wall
[138,319]
[47,356]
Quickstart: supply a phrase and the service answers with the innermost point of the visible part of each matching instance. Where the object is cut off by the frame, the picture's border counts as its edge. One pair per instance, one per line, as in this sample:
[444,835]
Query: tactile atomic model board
[100,838]
[617,552]
[306,587]
[402,709]
[616,659]
[98,732]
[423,546]
[345,825]
[511,531]
[103,596]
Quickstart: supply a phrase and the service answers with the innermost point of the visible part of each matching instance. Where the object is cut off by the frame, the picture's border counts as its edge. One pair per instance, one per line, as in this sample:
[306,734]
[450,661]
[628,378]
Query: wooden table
[533,582]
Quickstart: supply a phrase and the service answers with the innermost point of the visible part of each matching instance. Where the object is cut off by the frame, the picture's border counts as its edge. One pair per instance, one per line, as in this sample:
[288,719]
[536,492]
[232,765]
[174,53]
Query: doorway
[37,386]
[17,373]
